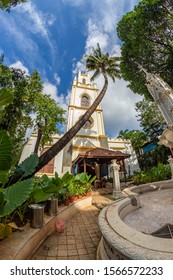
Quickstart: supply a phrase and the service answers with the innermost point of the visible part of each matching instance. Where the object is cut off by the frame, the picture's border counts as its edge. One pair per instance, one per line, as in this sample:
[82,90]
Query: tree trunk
[40,133]
[66,138]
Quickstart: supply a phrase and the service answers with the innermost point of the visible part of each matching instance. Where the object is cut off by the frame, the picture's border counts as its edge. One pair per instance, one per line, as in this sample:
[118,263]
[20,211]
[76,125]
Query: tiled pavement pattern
[78,242]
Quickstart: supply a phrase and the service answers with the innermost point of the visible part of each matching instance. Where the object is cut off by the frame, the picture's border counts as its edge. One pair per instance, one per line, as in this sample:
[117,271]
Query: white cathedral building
[90,150]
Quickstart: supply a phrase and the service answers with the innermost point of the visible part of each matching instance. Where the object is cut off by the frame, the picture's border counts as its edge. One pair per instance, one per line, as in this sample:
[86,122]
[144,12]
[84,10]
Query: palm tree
[101,64]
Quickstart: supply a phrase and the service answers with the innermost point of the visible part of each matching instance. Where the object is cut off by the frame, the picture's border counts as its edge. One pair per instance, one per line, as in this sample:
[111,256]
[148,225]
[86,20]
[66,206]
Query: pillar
[116,180]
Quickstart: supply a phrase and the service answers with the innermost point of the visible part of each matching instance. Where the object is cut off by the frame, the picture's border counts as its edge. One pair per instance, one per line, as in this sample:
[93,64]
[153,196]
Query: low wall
[121,242]
[21,245]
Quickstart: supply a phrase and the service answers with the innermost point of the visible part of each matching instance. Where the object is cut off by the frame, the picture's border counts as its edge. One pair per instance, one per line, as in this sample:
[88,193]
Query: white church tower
[92,134]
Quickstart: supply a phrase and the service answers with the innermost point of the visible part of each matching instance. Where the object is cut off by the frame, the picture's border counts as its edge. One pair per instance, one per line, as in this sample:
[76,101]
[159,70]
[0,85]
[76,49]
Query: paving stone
[79,240]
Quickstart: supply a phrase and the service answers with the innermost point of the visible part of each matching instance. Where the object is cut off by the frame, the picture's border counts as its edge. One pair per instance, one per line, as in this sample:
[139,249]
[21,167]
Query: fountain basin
[121,241]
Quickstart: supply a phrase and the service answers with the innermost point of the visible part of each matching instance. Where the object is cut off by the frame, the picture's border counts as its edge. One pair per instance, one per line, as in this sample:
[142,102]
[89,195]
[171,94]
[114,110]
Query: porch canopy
[99,156]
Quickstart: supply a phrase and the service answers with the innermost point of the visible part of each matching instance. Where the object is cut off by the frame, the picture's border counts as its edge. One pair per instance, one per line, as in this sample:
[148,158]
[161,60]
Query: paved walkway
[80,238]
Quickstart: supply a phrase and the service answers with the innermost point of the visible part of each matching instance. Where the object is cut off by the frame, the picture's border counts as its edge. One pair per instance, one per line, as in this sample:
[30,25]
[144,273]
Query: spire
[75,81]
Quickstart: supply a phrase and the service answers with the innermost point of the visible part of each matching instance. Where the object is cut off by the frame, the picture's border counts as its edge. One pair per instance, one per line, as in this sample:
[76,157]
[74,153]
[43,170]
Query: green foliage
[5,151]
[15,196]
[159,173]
[150,118]
[5,231]
[146,34]
[27,99]
[102,64]
[137,138]
[8,4]
[27,167]
[6,97]
[152,158]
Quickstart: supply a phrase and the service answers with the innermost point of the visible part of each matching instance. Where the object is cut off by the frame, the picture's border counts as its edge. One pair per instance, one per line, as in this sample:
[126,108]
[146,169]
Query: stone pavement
[80,238]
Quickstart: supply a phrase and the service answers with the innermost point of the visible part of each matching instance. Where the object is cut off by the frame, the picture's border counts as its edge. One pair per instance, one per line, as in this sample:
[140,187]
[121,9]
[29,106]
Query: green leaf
[3,176]
[5,151]
[39,195]
[6,97]
[15,196]
[28,166]
[5,231]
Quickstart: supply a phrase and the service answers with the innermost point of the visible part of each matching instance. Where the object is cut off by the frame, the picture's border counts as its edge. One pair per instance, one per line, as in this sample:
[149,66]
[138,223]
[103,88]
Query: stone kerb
[22,245]
[119,241]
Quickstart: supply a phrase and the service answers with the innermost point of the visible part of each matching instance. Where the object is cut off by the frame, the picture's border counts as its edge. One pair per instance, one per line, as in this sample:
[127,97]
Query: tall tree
[137,138]
[30,108]
[8,4]
[147,38]
[150,118]
[101,64]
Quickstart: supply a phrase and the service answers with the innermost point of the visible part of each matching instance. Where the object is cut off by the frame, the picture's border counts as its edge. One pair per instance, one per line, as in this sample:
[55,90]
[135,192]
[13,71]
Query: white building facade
[90,136]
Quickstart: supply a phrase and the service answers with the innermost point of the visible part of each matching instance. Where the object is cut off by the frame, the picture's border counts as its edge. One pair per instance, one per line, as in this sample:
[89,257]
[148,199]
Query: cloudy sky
[52,37]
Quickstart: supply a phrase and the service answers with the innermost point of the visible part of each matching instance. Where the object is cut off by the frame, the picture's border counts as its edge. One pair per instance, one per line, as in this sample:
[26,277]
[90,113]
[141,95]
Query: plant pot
[66,202]
[88,194]
[37,215]
[52,206]
[80,196]
[73,198]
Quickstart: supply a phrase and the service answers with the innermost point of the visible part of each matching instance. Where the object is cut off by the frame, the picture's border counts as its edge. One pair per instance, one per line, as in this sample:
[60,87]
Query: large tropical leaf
[4,176]
[5,151]
[28,166]
[39,195]
[6,97]
[15,196]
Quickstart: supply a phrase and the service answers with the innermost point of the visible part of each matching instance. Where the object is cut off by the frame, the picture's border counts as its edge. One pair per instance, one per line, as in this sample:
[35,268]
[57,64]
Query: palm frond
[103,63]
[95,75]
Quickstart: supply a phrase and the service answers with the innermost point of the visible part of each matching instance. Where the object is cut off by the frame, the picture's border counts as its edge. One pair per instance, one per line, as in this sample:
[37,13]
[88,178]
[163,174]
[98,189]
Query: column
[116,180]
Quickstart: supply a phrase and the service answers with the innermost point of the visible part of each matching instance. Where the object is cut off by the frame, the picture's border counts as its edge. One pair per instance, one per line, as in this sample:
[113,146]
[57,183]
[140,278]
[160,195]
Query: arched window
[48,168]
[84,101]
[83,81]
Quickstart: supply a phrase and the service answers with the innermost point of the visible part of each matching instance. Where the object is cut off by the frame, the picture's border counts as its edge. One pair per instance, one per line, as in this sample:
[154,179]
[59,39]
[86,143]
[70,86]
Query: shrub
[159,173]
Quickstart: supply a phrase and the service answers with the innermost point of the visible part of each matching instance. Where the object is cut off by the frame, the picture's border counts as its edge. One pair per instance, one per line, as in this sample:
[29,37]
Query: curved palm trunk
[66,138]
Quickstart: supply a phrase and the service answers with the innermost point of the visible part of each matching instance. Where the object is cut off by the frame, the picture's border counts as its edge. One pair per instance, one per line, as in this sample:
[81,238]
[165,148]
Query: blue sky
[52,37]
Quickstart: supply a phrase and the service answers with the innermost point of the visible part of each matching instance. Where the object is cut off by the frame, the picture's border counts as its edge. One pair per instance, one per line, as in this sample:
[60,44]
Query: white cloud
[18,37]
[57,79]
[78,66]
[119,102]
[37,22]
[40,21]
[95,35]
[19,65]
[74,2]
[52,90]
[119,107]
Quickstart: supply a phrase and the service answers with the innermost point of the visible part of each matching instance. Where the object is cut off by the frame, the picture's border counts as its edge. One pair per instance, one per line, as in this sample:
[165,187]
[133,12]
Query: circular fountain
[138,226]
